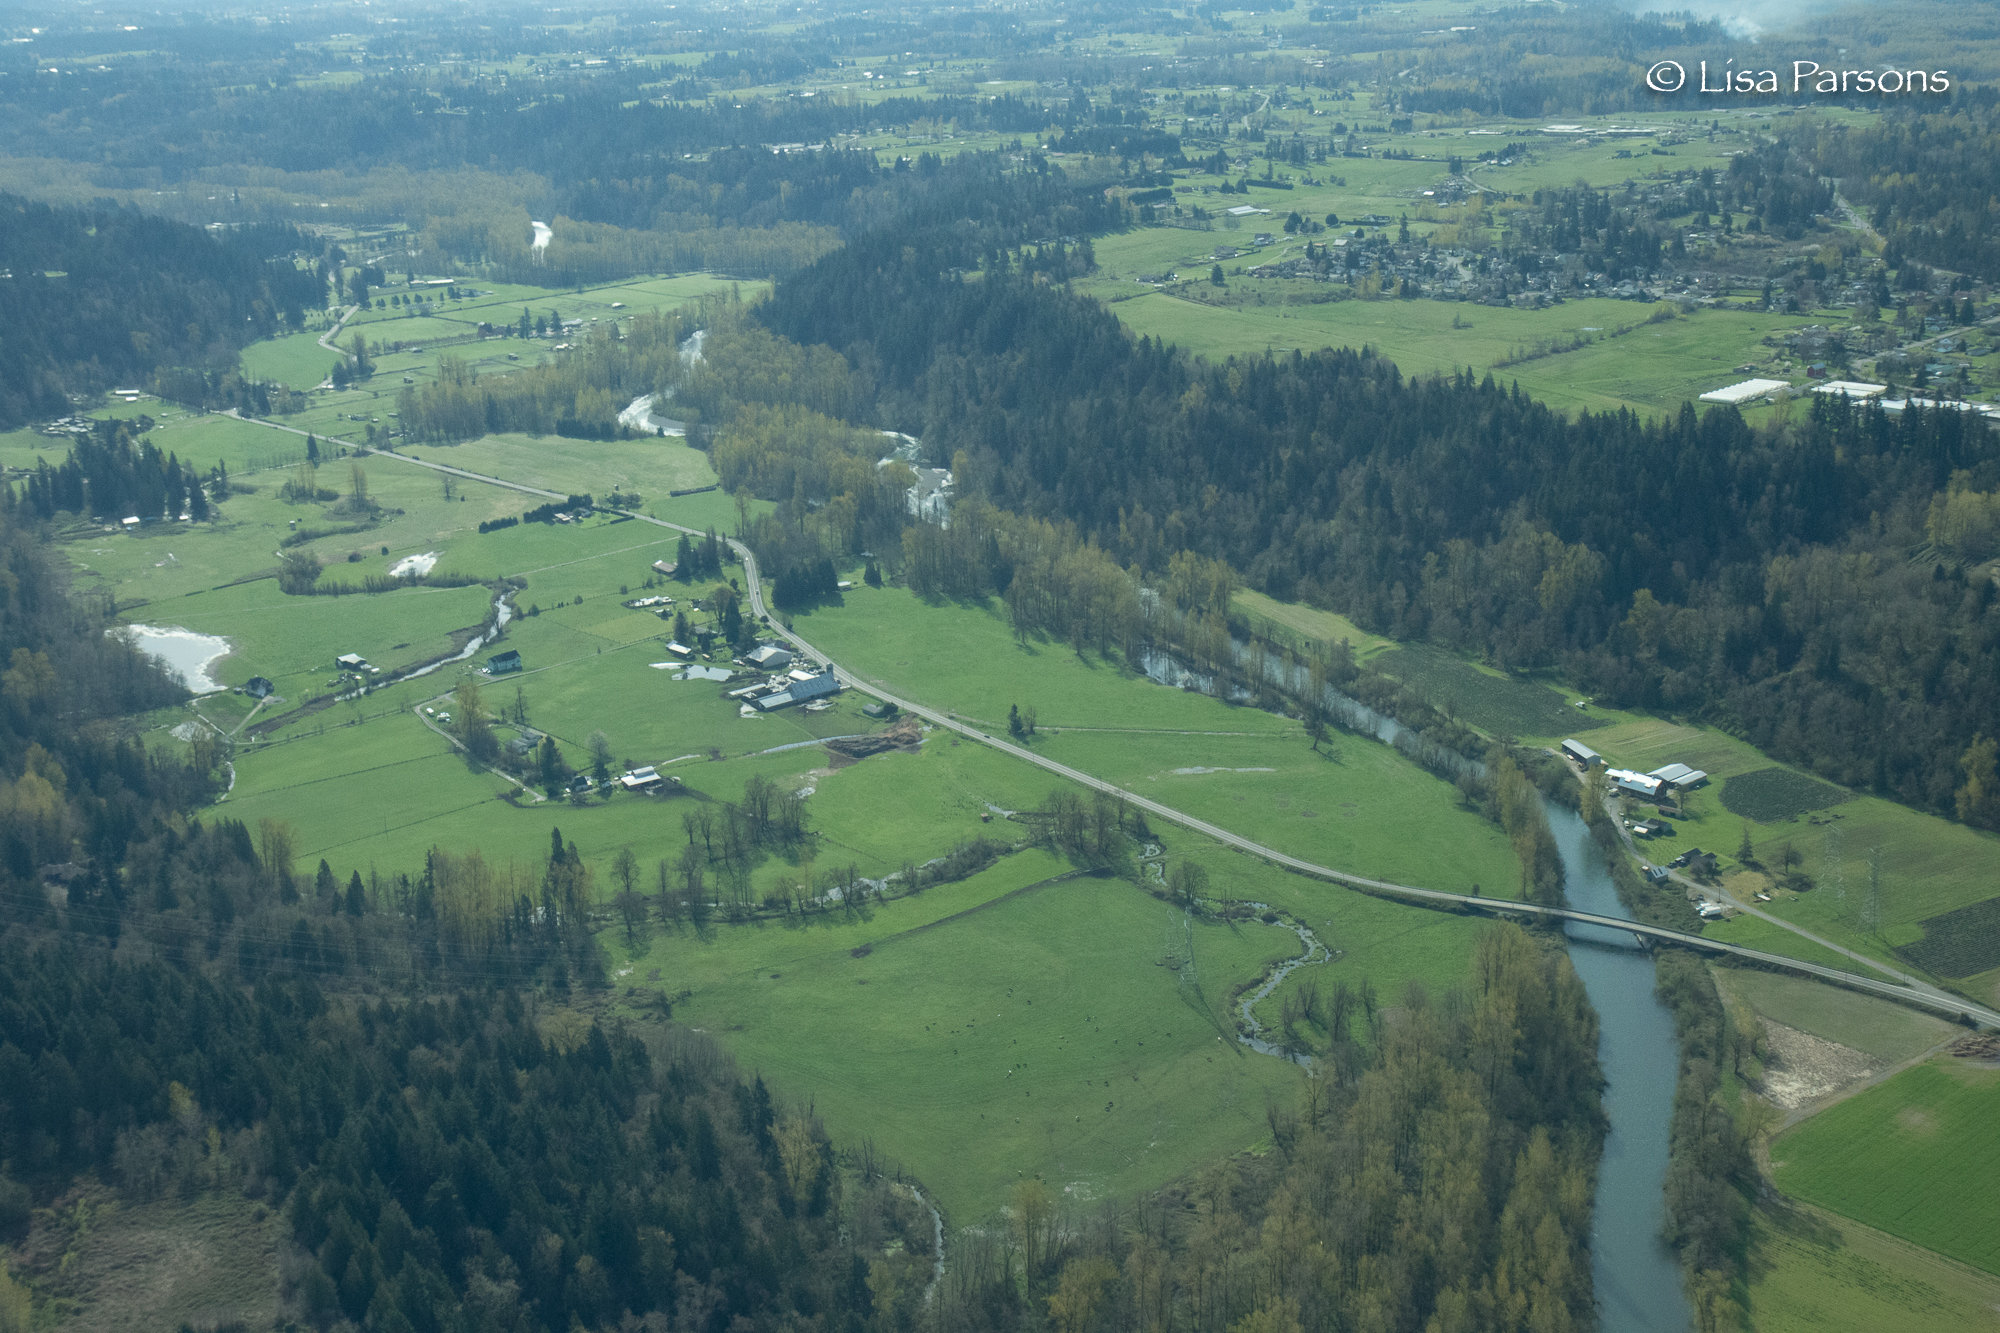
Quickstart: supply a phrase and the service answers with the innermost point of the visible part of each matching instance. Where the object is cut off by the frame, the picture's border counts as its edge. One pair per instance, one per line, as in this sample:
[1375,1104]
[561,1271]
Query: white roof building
[1851,389]
[1744,392]
[1639,784]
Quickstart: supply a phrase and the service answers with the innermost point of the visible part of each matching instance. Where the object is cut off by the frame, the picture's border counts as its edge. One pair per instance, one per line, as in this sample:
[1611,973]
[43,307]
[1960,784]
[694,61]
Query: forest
[1759,577]
[101,297]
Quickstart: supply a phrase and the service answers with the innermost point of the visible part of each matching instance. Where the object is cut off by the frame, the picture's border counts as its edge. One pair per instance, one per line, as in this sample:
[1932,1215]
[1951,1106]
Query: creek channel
[1635,1275]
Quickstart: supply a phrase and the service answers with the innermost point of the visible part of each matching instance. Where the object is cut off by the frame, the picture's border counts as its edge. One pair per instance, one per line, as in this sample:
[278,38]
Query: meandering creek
[1636,1277]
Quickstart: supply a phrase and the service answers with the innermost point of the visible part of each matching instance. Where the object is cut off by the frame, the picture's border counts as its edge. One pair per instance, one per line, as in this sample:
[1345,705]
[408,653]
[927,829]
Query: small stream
[502,613]
[1315,953]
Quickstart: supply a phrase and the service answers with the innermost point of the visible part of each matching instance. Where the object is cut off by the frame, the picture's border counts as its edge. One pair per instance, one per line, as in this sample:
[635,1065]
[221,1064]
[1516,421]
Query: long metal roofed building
[799,691]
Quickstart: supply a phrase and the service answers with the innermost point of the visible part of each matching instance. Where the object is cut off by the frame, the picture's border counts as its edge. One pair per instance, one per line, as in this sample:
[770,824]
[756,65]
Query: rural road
[1904,989]
[1752,909]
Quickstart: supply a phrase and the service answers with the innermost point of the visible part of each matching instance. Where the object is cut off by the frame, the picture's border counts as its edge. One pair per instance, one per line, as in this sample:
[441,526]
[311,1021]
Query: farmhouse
[769,657]
[1581,753]
[258,688]
[501,663]
[351,662]
[800,691]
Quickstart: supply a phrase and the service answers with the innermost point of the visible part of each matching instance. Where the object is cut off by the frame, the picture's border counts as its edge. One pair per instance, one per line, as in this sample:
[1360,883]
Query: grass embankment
[1915,1156]
[1810,1272]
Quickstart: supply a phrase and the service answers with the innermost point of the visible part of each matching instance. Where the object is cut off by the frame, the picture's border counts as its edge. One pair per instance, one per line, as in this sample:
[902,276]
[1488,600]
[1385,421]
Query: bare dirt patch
[1916,1121]
[1803,1068]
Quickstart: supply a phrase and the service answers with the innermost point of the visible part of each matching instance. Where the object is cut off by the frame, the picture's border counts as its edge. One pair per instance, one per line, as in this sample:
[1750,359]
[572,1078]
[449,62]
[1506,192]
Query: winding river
[1636,1277]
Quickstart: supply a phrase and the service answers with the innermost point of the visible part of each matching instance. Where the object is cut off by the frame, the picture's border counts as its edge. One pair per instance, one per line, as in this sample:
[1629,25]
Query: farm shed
[1680,776]
[815,687]
[1581,753]
[769,657]
[351,662]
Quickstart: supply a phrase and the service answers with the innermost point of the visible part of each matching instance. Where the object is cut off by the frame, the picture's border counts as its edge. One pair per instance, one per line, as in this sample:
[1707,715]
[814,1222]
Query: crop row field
[1915,1156]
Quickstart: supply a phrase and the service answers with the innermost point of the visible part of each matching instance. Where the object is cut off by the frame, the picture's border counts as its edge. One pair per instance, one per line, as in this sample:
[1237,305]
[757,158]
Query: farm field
[1811,1271]
[1297,623]
[1358,805]
[296,360]
[960,656]
[1914,1156]
[1880,1028]
[1494,702]
[1050,1041]
[1651,369]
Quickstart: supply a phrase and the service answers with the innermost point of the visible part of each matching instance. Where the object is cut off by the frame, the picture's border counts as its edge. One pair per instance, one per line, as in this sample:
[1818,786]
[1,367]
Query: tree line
[132,295]
[1761,577]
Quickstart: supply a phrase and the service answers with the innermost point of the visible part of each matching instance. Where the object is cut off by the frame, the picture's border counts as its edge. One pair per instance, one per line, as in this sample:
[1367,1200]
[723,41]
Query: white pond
[418,565]
[185,653]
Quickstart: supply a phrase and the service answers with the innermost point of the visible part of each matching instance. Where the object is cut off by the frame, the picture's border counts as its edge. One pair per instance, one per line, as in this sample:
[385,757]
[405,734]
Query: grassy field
[1915,1156]
[1036,1035]
[1881,1028]
[1810,1272]
[1292,622]
[1650,369]
[297,360]
[1362,807]
[962,657]
[1490,700]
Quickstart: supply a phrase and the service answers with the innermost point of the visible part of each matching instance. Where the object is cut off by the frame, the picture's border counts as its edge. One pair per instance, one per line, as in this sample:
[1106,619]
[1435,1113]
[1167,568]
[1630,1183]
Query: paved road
[1904,978]
[754,592]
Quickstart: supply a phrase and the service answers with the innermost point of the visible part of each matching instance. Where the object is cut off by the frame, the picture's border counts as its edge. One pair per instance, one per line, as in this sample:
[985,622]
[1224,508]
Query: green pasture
[293,640]
[1356,805]
[650,466]
[297,360]
[1930,866]
[1036,1035]
[961,656]
[1810,1272]
[1295,622]
[1881,1028]
[1649,369]
[1915,1156]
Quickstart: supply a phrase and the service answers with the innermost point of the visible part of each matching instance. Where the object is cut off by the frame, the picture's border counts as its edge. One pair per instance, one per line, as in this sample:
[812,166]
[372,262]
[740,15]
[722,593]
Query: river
[1635,1275]
[1637,1278]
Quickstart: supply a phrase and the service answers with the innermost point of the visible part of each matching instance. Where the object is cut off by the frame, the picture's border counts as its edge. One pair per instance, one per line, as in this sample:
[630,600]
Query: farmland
[1914,1156]
[1058,1047]
[1811,1271]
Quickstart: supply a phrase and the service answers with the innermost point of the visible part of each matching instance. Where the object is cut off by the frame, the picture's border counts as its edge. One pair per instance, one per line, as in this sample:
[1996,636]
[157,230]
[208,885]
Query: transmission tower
[1871,904]
[1830,855]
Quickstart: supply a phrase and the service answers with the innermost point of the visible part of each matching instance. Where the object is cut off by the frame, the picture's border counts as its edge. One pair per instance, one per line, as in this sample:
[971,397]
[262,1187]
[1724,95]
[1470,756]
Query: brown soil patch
[1803,1068]
[906,734]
